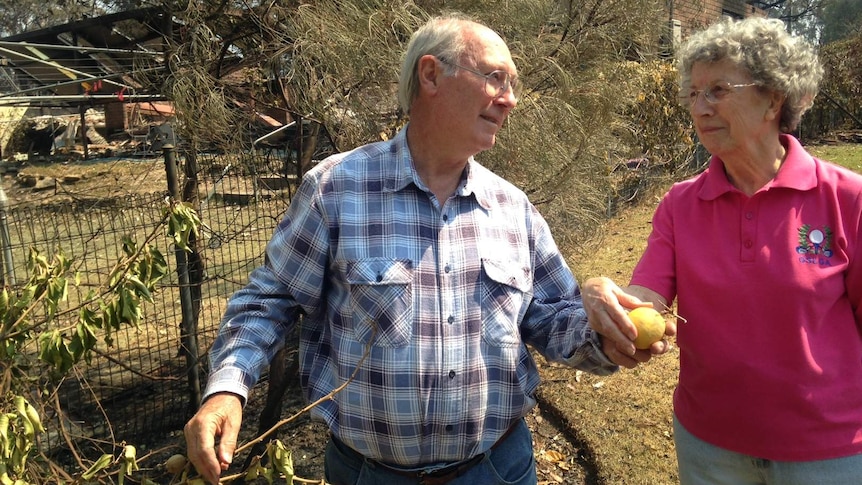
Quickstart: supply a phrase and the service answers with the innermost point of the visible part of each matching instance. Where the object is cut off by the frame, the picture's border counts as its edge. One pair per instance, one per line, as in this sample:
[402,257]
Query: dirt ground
[624,419]
[44,183]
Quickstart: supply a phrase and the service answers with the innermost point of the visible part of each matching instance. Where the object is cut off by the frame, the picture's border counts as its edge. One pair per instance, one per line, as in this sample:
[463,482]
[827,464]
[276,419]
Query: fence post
[188,330]
[6,264]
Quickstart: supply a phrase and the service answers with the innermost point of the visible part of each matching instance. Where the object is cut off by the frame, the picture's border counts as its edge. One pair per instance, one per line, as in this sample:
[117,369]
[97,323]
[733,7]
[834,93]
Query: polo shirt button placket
[748,224]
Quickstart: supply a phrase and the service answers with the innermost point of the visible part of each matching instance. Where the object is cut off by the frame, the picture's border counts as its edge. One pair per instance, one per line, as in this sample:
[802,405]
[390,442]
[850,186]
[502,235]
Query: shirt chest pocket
[381,300]
[505,295]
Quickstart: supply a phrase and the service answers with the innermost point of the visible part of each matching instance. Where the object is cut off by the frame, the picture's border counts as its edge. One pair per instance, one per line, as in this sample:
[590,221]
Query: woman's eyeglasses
[713,94]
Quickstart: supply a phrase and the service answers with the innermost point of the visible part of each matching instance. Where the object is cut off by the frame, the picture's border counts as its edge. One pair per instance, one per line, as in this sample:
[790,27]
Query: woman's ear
[776,102]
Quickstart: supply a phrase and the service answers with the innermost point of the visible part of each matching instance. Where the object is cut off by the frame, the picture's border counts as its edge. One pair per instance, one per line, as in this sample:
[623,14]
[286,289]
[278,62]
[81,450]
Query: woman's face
[731,115]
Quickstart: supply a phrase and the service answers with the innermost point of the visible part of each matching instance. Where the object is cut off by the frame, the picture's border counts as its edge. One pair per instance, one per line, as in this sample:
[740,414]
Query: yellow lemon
[650,325]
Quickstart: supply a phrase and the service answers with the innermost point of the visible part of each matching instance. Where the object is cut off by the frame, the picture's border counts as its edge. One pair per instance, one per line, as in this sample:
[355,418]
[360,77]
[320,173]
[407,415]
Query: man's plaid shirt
[444,299]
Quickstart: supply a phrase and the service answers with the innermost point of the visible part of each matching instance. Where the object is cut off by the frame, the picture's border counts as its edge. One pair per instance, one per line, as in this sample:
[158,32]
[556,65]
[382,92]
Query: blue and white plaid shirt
[447,298]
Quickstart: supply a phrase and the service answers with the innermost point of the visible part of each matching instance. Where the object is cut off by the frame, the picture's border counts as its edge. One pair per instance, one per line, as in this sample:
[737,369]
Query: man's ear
[429,73]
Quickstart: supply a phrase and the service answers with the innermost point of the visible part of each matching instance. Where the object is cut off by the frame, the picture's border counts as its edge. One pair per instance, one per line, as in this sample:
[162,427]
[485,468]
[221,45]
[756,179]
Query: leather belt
[441,476]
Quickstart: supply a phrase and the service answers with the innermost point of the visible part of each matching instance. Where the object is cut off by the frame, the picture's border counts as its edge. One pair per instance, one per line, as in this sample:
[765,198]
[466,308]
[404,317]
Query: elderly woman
[760,252]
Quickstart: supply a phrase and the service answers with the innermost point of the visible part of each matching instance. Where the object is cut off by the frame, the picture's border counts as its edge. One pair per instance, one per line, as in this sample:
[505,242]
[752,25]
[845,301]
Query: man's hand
[220,418]
[607,306]
[622,358]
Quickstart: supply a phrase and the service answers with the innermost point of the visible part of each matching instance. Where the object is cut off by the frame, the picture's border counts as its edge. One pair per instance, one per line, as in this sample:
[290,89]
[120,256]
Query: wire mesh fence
[139,387]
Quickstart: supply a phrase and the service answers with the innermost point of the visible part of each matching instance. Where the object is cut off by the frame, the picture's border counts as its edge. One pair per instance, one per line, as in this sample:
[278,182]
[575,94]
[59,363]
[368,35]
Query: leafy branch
[31,318]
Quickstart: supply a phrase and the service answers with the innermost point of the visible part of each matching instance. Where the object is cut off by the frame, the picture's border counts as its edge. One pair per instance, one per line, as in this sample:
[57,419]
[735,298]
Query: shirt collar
[797,172]
[474,180]
[404,173]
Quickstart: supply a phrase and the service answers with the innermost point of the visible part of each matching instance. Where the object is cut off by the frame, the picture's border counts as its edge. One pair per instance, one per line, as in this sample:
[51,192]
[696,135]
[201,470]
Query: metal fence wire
[138,388]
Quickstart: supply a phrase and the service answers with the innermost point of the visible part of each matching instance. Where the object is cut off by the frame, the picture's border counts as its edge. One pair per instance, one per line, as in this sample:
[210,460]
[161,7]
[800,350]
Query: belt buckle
[428,478]
[442,476]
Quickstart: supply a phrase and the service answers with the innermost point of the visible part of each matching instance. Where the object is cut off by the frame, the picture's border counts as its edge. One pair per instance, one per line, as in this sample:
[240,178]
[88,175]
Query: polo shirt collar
[797,172]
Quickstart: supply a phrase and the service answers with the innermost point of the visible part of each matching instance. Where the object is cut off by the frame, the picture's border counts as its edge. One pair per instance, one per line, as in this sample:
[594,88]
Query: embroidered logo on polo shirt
[815,245]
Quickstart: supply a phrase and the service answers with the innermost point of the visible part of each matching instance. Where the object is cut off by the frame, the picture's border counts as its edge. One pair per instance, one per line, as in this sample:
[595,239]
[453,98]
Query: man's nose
[508,97]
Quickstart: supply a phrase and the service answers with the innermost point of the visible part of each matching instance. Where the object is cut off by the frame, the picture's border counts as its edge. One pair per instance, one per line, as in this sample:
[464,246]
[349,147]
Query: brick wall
[694,15]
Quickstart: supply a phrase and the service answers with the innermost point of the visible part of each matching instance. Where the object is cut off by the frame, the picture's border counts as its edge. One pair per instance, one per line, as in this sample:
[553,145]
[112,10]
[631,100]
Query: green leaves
[281,459]
[103,462]
[183,221]
[54,351]
[39,313]
[128,463]
[18,431]
[133,280]
[38,305]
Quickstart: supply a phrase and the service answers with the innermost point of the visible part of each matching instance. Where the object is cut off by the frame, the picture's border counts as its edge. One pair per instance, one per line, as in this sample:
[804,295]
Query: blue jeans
[511,462]
[701,463]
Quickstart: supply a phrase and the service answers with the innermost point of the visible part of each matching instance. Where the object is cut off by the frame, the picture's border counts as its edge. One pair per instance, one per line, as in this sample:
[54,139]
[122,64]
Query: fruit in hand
[176,463]
[650,325]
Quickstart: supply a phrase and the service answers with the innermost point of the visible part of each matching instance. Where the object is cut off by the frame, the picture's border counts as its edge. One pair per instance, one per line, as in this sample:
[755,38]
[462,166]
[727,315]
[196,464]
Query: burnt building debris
[58,80]
[94,88]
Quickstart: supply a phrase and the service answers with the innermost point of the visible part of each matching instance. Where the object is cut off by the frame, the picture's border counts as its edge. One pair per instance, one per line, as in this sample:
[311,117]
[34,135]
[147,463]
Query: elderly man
[412,254]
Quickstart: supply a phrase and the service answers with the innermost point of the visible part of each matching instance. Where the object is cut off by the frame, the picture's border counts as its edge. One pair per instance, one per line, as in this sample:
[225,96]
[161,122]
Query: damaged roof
[91,61]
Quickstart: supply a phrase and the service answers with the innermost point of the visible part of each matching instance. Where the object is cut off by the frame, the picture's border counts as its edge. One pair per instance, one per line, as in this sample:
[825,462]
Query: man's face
[471,111]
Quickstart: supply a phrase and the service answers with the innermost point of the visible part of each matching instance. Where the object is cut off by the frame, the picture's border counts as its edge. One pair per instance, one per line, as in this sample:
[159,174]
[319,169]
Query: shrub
[659,133]
[838,106]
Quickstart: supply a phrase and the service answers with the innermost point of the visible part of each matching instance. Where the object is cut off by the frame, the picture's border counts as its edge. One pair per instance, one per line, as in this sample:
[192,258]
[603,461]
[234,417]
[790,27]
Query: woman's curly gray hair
[776,60]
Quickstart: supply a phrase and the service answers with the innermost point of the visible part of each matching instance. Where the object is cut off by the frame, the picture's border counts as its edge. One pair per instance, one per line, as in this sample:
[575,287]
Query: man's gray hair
[776,60]
[441,37]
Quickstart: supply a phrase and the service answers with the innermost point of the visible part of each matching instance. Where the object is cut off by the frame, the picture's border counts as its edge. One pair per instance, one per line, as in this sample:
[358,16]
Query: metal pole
[81,108]
[83,111]
[6,265]
[188,332]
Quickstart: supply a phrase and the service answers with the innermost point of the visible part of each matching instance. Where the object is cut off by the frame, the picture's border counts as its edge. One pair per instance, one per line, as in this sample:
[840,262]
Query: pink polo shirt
[771,356]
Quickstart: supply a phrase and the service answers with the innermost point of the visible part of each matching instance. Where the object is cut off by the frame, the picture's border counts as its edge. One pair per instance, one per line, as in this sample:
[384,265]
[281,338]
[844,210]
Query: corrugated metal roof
[90,61]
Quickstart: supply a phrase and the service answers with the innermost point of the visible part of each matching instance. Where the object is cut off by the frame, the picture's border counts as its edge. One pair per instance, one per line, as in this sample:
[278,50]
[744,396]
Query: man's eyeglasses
[496,82]
[713,94]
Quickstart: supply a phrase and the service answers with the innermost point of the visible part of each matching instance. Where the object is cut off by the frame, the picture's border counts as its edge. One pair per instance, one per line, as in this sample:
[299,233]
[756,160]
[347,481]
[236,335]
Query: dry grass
[84,181]
[624,419]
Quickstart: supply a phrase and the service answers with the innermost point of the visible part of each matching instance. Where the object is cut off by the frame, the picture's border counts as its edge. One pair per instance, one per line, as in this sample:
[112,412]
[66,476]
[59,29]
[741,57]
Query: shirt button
[451,319]
[379,278]
[447,268]
[449,427]
[451,374]
[445,217]
[748,244]
[749,215]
